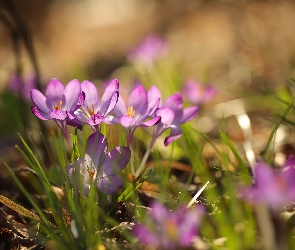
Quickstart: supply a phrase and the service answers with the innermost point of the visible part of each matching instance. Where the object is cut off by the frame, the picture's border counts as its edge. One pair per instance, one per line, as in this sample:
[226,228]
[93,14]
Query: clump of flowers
[78,105]
[169,230]
[273,187]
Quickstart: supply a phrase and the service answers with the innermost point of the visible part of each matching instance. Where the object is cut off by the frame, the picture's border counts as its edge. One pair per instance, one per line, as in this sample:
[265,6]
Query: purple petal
[116,160]
[97,148]
[39,100]
[210,92]
[174,102]
[159,212]
[153,93]
[187,236]
[186,115]
[146,236]
[138,100]
[150,49]
[91,96]
[151,122]
[109,184]
[71,95]
[152,107]
[110,119]
[267,185]
[54,93]
[193,91]
[58,114]
[80,101]
[189,113]
[264,174]
[109,98]
[126,121]
[288,173]
[189,224]
[81,116]
[78,178]
[95,119]
[73,120]
[167,115]
[174,135]
[290,162]
[40,114]
[75,123]
[75,166]
[107,107]
[196,93]
[120,108]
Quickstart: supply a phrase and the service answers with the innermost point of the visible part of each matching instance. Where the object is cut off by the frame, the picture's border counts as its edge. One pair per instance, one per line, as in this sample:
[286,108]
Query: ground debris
[15,235]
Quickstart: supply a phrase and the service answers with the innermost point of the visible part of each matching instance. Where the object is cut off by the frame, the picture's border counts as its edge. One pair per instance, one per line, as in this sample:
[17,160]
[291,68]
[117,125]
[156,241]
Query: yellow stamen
[90,111]
[131,112]
[58,107]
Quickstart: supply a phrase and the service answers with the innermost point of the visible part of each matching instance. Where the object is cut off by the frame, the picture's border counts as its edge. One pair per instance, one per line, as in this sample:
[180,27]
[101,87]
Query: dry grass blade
[21,210]
[18,208]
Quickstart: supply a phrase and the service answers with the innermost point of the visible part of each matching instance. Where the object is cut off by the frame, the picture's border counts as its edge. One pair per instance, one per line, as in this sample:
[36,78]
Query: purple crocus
[99,166]
[196,93]
[94,111]
[273,187]
[59,103]
[167,230]
[140,106]
[150,49]
[172,116]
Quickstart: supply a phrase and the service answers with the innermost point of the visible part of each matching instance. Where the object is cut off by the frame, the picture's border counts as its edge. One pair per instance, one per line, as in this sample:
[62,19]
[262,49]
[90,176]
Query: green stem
[132,158]
[145,157]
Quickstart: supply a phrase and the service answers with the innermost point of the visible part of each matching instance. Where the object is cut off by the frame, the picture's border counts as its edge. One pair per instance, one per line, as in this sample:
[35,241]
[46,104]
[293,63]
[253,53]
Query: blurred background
[234,42]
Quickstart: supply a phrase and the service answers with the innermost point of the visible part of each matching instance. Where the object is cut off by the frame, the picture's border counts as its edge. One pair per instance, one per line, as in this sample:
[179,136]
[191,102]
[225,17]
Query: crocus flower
[94,111]
[23,88]
[150,49]
[196,93]
[273,187]
[172,116]
[141,105]
[167,230]
[59,103]
[99,166]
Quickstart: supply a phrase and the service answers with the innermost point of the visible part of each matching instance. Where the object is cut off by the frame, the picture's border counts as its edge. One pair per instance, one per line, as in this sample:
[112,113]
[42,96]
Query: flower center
[91,173]
[90,111]
[58,107]
[172,230]
[131,112]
